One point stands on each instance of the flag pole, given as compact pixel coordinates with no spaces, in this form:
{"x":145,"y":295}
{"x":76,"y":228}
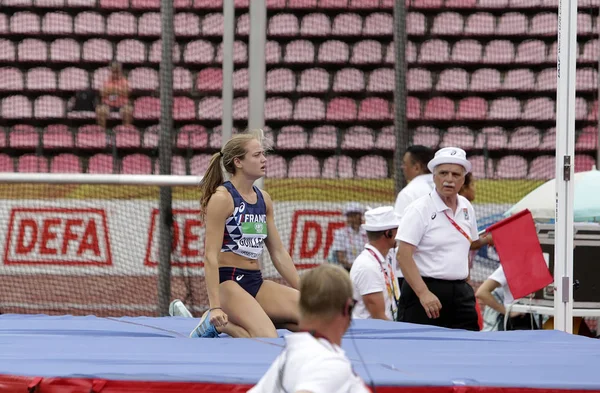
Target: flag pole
{"x":565,"y":163}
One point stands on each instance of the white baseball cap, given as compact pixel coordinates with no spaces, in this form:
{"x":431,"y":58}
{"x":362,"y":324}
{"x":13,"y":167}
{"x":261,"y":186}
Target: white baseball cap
{"x":380,"y":219}
{"x":450,"y":155}
{"x":353,"y":207}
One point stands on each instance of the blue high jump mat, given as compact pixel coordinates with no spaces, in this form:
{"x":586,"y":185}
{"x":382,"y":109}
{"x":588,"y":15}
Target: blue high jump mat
{"x":91,"y":354}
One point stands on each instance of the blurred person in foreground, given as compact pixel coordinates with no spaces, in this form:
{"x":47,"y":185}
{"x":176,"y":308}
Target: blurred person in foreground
{"x":114,"y":97}
{"x":312,"y":360}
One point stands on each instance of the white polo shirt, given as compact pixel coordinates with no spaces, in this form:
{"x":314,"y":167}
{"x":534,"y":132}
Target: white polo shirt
{"x":442,"y":252}
{"x":419,"y":186}
{"x":367,"y":277}
{"x":310,"y":364}
{"x":499,"y":276}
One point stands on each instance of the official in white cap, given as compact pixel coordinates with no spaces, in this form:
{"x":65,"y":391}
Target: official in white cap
{"x":349,"y":240}
{"x":435,"y":237}
{"x":373,"y":277}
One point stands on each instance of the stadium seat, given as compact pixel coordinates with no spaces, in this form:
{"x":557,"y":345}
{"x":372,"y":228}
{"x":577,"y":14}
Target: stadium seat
{"x":303,"y":4}
{"x":73,"y":79}
{"x":149,"y":24}
{"x":313,"y":80}
{"x":482,"y":167}
{"x":417,"y":79}
{"x":240,"y":108}
{"x":121,"y":24}
{"x":57,"y":23}
{"x":278,"y":108}
{"x":336,"y":4}
{"x":209,"y":79}
{"x":386,"y":139}
{"x":136,"y":164}
{"x":511,"y":167}
{"x":584,"y":163}
{"x":31,"y":49}
{"x":212,"y":25}
{"x":89,"y":22}
{"x":97,"y":50}
{"x":520,"y":79}
{"x":65,"y":50}
{"x":465,"y":51}
{"x":542,"y":168}
{"x":6,"y":163}
{"x":374,"y":108}
{"x":304,"y":166}
{"x":41,"y":78}
{"x":544,"y":23}
{"x":131,"y":51}
{"x":433,"y":4}
{"x":413,"y":108}
{"x":272,"y":52}
{"x":101,"y":163}
{"x":505,"y":108}
{"x":491,"y":138}
{"x":347,"y":24}
{"x":114,"y":4}
{"x":363,"y":4}
{"x":434,"y":51}
{"x":472,"y":108}
{"x":485,"y":79}
{"x":18,"y":3}
{"x":499,"y":52}
{"x":415,"y":23}
{"x":241,"y":80}
{"x":541,"y":108}
{"x":65,"y":163}
{"x":25,"y":22}
{"x":581,"y":109}
{"x":143,"y":78}
{"x":378,"y":24}
{"x":591,"y":51}
{"x":348,"y":80}
{"x":586,"y":79}
{"x":341,"y":109}
{"x":48,"y":107}
{"x":199,"y":164}
{"x":184,"y":109}
{"x":16,"y":107}
{"x":280,"y":80}
{"x":323,"y":138}
{"x":177,"y":166}
{"x":150,"y":137}
{"x":531,"y":52}
{"x":145,"y":4}
{"x":480,"y":23}
{"x":127,"y":137}
{"x":198,"y":52}
{"x":587,"y":139}
{"x":292,"y":137}
{"x":524,"y":138}
{"x":371,"y":167}
{"x":210,"y":108}
{"x":524,"y":3}
{"x":593,"y":110}
{"x":187,"y":24}
{"x":309,"y":108}
{"x":315,"y":24}
{"x":548,"y":140}
{"x":7,"y":50}
{"x":333,"y":51}
{"x":57,"y":136}
{"x":338,"y":167}
{"x":358,"y":138}
{"x":382,"y":80}
{"x":81,"y":3}
{"x":29,"y":163}
{"x":91,"y":137}
{"x":242,"y":27}
{"x":100,"y":76}
{"x":452,"y":79}
{"x":146,"y":108}
{"x":447,"y":23}
{"x":546,"y":80}
{"x":512,"y":23}
{"x":497,"y":4}
{"x":182,"y":80}
{"x":299,"y":51}
{"x":11,"y":79}
{"x":283,"y":25}
{"x":276,"y":167}
{"x":23,"y":139}
{"x":192,"y":136}
{"x":458,"y":136}
{"x":439,"y":108}
{"x":426,"y":136}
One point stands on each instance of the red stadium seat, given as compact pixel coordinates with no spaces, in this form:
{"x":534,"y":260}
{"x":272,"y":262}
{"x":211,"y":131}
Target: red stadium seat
{"x":371,"y":167}
{"x":338,"y":167}
{"x":65,"y":163}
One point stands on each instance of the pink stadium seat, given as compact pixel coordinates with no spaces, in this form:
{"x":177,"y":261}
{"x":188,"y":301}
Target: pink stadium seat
{"x":241,"y":80}
{"x":427,"y":3}
{"x":323,"y":138}
{"x":81,"y":3}
{"x":505,"y":108}
{"x":143,"y":79}
{"x":182,"y":79}
{"x":150,"y":137}
{"x":493,"y":3}
{"x":472,"y":108}
{"x":371,"y":167}
{"x":25,"y":22}
{"x":149,"y":24}
{"x":548,"y":140}
{"x":292,"y":137}
{"x":272,"y":52}
{"x":276,"y":167}
{"x":57,"y":137}
{"x":301,"y":3}
{"x":520,"y":79}
{"x":480,"y":23}
{"x":145,"y":4}
{"x":511,"y":167}
{"x":584,"y":163}
{"x":512,"y":23}
{"x":586,"y":79}
{"x":313,"y":80}
{"x":114,"y":4}
{"x":49,"y":107}
{"x":146,"y":108}
{"x":242,"y":27}
{"x":379,"y":24}
{"x":546,"y":80}
{"x":11,"y":79}
{"x":482,"y":168}
{"x":198,"y":52}
{"x":131,"y":51}
{"x":524,"y":3}
{"x":18,"y":3}
{"x":448,"y":23}
{"x":3,"y":24}
{"x":7,"y":50}
{"x":499,"y":51}
{"x":210,"y":108}
{"x":97,"y":50}
{"x":539,"y":109}
{"x":362,"y":4}
{"x":65,"y":50}
{"x":278,"y":108}
{"x":552,"y":55}
{"x":452,"y":80}
{"x":136,"y":164}
{"x":57,"y":23}
{"x":458,"y":136}
{"x":426,"y":136}
{"x":283,"y":25}
{"x":347,"y":24}
{"x":89,"y":22}
{"x":192,"y":136}
{"x":304,"y":166}
{"x":415,"y":23}
{"x":209,"y":79}
{"x":100,"y":163}
{"x":358,"y":138}
{"x":315,"y":24}
{"x":65,"y":163}
{"x":410,"y":53}
{"x":6,"y":163}
{"x":280,"y":80}
{"x":29,"y":163}
{"x":382,"y":80}
{"x":23,"y":139}
{"x":187,"y":24}
{"x":348,"y":80}
{"x":31,"y":49}
{"x":336,"y":4}
{"x":216,"y":138}
{"x":333,"y":51}
{"x":587,"y":140}
{"x":531,"y":52}
{"x":591,"y":51}
{"x":41,"y":78}
{"x":309,"y":108}
{"x":542,"y":168}
{"x":413,"y":108}
{"x":127,"y":137}
{"x":584,"y":24}
{"x":434,"y":51}
{"x":212,"y":25}
{"x":240,"y":108}
{"x":418,"y":79}
{"x":341,"y":109}
{"x":121,"y":24}
{"x":177,"y":166}
{"x":466,"y":51}
{"x":491,"y":138}
{"x":593,"y":110}
{"x":485,"y":79}
{"x":240,"y":52}
{"x":16,"y":107}
{"x":90,"y":137}
{"x":374,"y":108}
{"x":338,"y":167}
{"x":545,"y":23}
{"x":199,"y":164}
{"x":100,"y":76}
{"x":581,"y":109}
{"x":439,"y":108}
{"x":184,"y":108}
{"x":73,"y":79}
{"x":386,"y":139}
{"x":524,"y":138}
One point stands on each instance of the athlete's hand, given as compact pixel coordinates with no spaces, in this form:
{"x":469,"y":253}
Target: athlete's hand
{"x":431,"y":304}
{"x":218,"y":318}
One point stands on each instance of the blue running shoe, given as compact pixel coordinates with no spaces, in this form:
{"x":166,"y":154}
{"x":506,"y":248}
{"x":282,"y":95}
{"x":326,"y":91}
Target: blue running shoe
{"x":205,"y":329}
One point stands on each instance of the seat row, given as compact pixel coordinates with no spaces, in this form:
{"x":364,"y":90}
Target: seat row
{"x":515,"y":167}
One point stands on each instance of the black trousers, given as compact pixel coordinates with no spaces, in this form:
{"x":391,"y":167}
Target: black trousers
{"x":458,"y":305}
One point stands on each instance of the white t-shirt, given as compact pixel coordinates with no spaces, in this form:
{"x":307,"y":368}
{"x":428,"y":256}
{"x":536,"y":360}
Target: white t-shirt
{"x":442,"y":251}
{"x":347,"y":240}
{"x":367,"y":277}
{"x":499,"y":276}
{"x":310,"y":364}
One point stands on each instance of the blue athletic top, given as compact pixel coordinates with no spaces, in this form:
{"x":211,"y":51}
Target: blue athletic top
{"x":246,"y":227}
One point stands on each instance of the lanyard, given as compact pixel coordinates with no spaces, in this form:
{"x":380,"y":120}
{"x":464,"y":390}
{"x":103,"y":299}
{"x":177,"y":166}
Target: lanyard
{"x":458,"y":228}
{"x":390,"y":282}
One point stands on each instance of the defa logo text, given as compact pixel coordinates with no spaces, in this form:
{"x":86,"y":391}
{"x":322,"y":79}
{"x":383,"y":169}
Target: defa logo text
{"x":312,"y":235}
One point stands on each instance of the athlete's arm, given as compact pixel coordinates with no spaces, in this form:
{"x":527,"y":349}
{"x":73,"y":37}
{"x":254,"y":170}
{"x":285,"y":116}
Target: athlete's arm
{"x":375,"y":304}
{"x":220,"y":206}
{"x":279,"y":255}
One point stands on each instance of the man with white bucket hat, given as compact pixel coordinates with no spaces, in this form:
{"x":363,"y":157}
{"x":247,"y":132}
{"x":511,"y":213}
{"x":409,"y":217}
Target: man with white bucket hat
{"x":435,"y":237}
{"x":375,"y":285}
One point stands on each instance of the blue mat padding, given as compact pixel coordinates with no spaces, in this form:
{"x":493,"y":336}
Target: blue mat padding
{"x":395,"y":354}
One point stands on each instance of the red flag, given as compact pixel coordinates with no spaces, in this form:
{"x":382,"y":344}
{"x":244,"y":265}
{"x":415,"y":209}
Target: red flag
{"x":518,"y":247}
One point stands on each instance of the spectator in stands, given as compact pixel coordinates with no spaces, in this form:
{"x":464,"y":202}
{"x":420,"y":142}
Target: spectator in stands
{"x":239,"y":222}
{"x":312,"y":360}
{"x":114,"y":97}
{"x":435,"y":241}
{"x":350,"y":240}
{"x":375,"y":286}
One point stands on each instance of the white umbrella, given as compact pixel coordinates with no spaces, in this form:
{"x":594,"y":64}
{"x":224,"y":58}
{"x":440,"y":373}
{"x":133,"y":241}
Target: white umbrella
{"x":542,"y":201}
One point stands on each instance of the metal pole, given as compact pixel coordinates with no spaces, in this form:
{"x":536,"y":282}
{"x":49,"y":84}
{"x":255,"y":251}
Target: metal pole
{"x":227,"y":94}
{"x":400,"y":124}
{"x":164,"y":155}
{"x":565,"y":163}
{"x":256,"y":66}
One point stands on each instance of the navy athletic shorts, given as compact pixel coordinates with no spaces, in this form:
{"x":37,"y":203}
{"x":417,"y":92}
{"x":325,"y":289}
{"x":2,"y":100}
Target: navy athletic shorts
{"x":250,"y":280}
